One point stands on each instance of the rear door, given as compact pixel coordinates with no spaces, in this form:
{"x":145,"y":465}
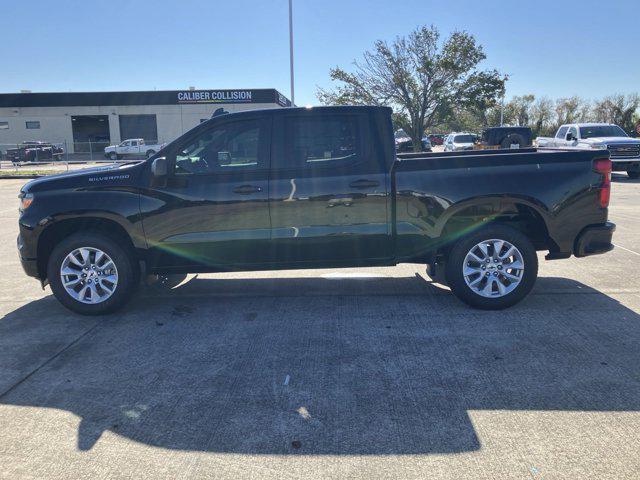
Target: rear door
{"x":328,"y":190}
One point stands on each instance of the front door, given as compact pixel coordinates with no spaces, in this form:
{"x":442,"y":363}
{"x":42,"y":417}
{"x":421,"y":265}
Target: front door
{"x":328,"y":191}
{"x":213,"y":212}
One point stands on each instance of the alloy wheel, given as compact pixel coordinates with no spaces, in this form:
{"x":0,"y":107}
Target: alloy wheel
{"x":89,"y":275}
{"x":493,"y":268}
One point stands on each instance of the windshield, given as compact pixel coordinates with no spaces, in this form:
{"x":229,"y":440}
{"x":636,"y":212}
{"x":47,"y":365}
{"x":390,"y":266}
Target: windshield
{"x":463,"y":139}
{"x":602,"y":131}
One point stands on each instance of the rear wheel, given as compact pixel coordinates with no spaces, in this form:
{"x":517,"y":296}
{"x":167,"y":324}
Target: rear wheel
{"x":90,"y":274}
{"x":493,"y":268}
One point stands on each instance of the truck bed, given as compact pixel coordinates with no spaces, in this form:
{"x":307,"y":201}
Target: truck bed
{"x":435,"y":189}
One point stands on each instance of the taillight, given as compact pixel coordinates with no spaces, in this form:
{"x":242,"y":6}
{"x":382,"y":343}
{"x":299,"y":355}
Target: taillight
{"x":603,"y":166}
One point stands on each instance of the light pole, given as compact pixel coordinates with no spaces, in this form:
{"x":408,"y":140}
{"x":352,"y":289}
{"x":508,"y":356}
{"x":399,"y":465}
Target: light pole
{"x":291,"y":50}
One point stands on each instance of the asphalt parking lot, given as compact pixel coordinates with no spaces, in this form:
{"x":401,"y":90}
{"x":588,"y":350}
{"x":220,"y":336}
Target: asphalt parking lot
{"x":362,"y":373}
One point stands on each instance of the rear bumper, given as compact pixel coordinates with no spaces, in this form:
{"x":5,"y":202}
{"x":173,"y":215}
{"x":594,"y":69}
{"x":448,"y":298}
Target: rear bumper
{"x":594,"y":240}
{"x":620,"y":165}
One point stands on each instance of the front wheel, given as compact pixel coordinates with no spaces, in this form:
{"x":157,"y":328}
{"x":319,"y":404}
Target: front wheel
{"x":91,"y":274}
{"x":493,"y":268}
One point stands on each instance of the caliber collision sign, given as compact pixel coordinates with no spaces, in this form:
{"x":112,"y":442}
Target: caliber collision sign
{"x":215,"y":96}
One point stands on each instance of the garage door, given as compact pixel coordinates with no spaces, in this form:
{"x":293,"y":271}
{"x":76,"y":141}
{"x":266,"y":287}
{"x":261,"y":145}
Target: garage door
{"x":139,"y":126}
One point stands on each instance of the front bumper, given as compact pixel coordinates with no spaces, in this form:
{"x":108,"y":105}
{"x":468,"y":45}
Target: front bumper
{"x":29,"y":265}
{"x":594,"y":240}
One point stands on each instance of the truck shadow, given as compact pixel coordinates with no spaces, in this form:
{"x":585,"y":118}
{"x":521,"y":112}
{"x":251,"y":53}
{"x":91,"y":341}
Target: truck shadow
{"x":327,"y":366}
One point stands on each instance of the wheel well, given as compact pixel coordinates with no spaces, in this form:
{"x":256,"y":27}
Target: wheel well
{"x":65,"y":228}
{"x":516,"y":215}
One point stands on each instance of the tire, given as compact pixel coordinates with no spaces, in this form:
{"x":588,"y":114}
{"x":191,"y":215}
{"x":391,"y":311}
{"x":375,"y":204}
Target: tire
{"x":150,"y":153}
{"x":125,"y":275}
{"x":512,"y":139}
{"x":113,"y":156}
{"x":490,"y":273}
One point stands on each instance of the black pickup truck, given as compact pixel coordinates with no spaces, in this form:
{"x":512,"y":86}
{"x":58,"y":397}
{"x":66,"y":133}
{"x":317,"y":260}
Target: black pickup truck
{"x":310,"y":188}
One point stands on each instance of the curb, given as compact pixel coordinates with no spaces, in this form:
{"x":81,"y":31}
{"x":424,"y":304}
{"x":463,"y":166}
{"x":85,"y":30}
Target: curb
{"x":13,"y":177}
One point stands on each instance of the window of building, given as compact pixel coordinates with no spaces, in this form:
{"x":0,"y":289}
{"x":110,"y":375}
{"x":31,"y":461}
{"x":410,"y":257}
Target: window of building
{"x":4,"y":125}
{"x":225,"y":148}
{"x":321,"y":140}
{"x":33,"y":125}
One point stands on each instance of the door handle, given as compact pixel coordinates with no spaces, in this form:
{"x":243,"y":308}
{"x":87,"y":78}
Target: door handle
{"x":247,"y":189}
{"x":364,"y":183}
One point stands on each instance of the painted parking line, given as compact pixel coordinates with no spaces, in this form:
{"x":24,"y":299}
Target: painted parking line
{"x":626,"y":249}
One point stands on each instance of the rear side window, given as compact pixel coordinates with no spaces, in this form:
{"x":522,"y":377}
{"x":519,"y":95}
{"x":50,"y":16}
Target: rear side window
{"x":321,"y":141}
{"x":562,"y":133}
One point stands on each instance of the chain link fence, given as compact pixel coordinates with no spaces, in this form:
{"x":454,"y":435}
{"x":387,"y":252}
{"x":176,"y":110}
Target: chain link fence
{"x":41,"y":158}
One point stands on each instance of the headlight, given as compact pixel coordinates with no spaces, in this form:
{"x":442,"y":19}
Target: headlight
{"x":26,"y":199}
{"x":599,"y":147}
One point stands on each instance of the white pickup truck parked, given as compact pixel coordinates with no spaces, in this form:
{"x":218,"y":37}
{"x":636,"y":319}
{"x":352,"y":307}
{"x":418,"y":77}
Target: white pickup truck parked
{"x":624,"y":150}
{"x":132,"y":147}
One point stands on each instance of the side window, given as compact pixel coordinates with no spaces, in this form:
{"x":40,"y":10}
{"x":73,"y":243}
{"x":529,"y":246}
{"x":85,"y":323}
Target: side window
{"x":126,"y":144}
{"x":225,"y":148}
{"x":573,"y":131}
{"x":321,"y":140}
{"x":562,"y":132}
{"x":134,"y":143}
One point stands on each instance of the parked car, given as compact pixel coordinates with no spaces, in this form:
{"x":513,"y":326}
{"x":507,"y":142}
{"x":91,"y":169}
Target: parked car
{"x":624,"y":150}
{"x":436,"y":138}
{"x":133,"y":147}
{"x":34,"y":152}
{"x":313,"y":188}
{"x":405,"y":144}
{"x":459,"y":141}
{"x":506,"y":137}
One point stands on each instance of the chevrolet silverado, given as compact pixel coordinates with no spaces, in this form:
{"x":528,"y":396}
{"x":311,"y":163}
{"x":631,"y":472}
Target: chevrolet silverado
{"x":313,"y":188}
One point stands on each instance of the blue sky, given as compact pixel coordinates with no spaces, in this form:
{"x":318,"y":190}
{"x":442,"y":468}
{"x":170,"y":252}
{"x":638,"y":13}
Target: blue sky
{"x":586,"y":47}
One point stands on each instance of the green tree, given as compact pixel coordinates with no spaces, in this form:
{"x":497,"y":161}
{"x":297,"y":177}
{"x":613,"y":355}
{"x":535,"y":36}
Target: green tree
{"x":619,"y":109}
{"x":518,"y":110}
{"x":541,"y":117}
{"x":572,"y":110}
{"x":424,"y":79}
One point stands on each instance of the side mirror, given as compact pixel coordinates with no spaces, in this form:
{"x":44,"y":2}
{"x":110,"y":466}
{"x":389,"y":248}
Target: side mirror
{"x":160,"y":167}
{"x":570,"y":137}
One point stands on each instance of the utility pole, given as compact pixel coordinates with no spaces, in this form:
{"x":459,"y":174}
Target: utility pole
{"x":291,"y":51}
{"x":502,"y":112}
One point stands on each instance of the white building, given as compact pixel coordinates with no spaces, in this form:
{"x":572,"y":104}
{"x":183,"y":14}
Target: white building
{"x":83,"y":120}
